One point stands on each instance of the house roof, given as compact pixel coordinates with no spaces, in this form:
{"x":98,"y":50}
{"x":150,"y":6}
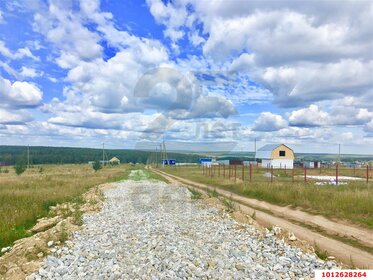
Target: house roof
{"x":265,"y":152}
{"x":114,"y":159}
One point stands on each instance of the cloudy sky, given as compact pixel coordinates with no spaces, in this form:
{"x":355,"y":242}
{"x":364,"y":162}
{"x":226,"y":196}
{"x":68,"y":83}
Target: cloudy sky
{"x":198,"y":74}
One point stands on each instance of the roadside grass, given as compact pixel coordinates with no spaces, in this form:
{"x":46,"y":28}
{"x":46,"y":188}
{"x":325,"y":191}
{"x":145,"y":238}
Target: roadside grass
{"x":137,"y":172}
{"x":229,"y":204}
{"x":28,"y":197}
{"x":195,"y":194}
{"x":212,"y":193}
{"x":352,"y":202}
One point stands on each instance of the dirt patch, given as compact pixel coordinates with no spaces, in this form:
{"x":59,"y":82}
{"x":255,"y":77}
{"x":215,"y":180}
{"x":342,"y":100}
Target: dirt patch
{"x":295,"y":221}
{"x":26,"y":254}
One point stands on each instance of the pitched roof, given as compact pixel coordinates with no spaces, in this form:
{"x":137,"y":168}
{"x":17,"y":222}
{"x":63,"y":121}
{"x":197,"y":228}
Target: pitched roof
{"x":114,"y":159}
{"x":269,"y":147}
{"x":265,"y":152}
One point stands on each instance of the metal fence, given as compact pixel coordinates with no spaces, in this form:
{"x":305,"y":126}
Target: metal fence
{"x":251,"y":173}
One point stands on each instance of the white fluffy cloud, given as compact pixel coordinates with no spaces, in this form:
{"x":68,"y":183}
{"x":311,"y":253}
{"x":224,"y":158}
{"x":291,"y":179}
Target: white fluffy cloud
{"x":27,"y":72}
{"x":311,"y":116}
{"x":62,"y":27}
{"x":19,"y":54}
{"x":268,"y":121}
{"x":19,"y":94}
{"x":302,"y":52}
{"x":14,"y":117}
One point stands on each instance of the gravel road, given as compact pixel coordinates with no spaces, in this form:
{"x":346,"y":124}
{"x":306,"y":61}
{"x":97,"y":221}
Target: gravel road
{"x":151,"y":230}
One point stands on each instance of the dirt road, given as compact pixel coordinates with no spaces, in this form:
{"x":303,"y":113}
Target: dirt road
{"x":284,"y":217}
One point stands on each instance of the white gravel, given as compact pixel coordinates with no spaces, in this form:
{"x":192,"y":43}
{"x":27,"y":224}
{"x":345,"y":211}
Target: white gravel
{"x":149,"y":230}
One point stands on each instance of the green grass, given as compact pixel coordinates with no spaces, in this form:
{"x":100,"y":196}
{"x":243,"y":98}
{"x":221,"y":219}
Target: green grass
{"x":352,"y":202}
{"x":212,"y":193}
{"x":137,"y":172}
{"x":25,"y":198}
{"x":195,"y":194}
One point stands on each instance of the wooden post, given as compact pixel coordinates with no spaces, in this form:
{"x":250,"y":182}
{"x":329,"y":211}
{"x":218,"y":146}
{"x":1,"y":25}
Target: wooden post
{"x":251,"y":171}
{"x":219,"y":170}
{"x":243,"y":171}
{"x":367,"y":174}
{"x":336,"y":174}
{"x":305,"y":174}
{"x":229,"y":171}
{"x":223,"y":170}
{"x":354,"y":170}
{"x":271,"y":173}
{"x":292,"y":175}
{"x":235,"y":172}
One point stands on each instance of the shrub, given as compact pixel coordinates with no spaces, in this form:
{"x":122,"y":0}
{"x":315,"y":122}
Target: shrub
{"x":96,"y":165}
{"x":20,"y":167}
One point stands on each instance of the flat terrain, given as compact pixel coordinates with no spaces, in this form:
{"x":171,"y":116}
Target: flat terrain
{"x":25,"y":198}
{"x":150,"y":230}
{"x":351,"y":202}
{"x":329,"y":237}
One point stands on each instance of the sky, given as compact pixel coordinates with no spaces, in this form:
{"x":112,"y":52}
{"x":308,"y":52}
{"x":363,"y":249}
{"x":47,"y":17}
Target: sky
{"x":197,"y":74}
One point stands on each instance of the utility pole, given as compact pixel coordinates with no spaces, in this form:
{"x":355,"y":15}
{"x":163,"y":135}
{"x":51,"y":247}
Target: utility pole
{"x":103,"y":153}
{"x":28,"y":156}
{"x":339,"y":152}
{"x":156,"y":157}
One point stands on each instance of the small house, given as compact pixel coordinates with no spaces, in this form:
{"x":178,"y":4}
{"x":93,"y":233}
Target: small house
{"x":276,"y":156}
{"x":114,"y":161}
{"x":311,"y":164}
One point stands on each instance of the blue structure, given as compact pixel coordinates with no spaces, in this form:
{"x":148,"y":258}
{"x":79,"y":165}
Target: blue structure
{"x":172,"y":161}
{"x":205,"y":160}
{"x":164,"y":162}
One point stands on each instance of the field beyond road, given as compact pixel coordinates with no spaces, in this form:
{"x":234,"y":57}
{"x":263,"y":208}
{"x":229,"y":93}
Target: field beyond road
{"x":25,"y":198}
{"x":351,"y":202}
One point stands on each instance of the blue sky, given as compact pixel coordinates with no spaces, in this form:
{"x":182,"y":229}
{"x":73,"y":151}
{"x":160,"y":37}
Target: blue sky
{"x":198,"y":74}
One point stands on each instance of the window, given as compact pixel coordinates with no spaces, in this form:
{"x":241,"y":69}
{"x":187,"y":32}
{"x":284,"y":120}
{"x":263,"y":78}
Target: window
{"x":282,"y":153}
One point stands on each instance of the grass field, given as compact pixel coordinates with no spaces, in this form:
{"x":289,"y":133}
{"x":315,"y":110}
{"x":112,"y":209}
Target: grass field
{"x":25,"y":198}
{"x":352,"y":202}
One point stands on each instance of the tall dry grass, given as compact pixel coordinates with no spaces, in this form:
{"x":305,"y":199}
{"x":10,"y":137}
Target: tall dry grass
{"x":25,"y":198}
{"x":352,"y":202}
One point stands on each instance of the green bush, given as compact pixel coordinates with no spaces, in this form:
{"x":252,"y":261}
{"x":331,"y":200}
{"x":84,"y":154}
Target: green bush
{"x":96,"y":165}
{"x":20,"y":167}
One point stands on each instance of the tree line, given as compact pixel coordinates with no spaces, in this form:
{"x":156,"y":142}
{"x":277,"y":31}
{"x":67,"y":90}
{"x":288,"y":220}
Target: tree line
{"x":10,"y":155}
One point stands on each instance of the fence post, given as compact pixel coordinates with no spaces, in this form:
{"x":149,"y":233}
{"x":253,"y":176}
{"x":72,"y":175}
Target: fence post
{"x":219,"y":170}
{"x":305,"y":174}
{"x":251,"y":171}
{"x":243,"y":171}
{"x":271,"y":173}
{"x":367,"y":174}
{"x":235,"y":173}
{"x":223,"y":170}
{"x":285,"y":169}
{"x":336,"y":174}
{"x":292,"y":175}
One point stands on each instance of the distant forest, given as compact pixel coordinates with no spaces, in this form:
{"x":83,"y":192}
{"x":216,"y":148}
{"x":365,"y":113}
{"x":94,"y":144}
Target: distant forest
{"x":9,"y":155}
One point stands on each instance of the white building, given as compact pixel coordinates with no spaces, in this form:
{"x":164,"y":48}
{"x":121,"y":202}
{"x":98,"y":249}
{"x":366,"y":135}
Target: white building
{"x":276,"y":155}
